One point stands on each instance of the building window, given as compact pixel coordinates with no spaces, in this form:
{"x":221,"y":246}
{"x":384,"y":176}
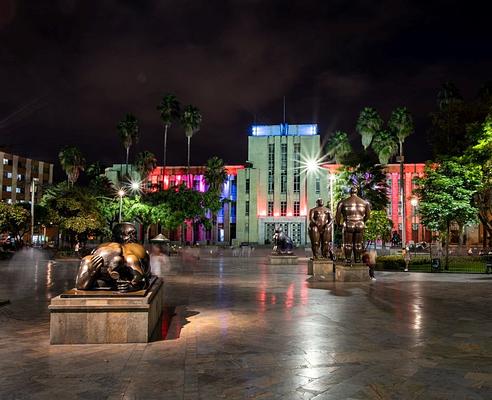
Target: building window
{"x":17,"y":190}
{"x":19,"y":177}
{"x":389,"y":211}
{"x":8,"y":175}
{"x":297,"y":167}
{"x":399,"y":208}
{"x":247,"y":186}
{"x":297,"y":208}
{"x":246,"y":208}
{"x":5,"y":161}
{"x":318,"y":185}
{"x":283,"y":208}
{"x":415,"y":227}
{"x":283,"y":168}
{"x":270,"y":208}
{"x":389,"y":182}
{"x":9,"y":189}
{"x":271,"y":167}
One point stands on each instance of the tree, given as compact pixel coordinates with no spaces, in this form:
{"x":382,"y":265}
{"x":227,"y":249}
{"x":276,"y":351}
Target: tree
{"x":14,"y":219}
{"x":128,"y":131}
{"x":169,"y":110}
{"x":72,"y":162}
{"x":448,"y":95}
{"x":480,"y":154}
{"x":190,"y":121}
{"x":401,"y":124}
{"x":378,"y":226}
{"x":360,"y":170}
{"x":368,"y":125}
{"x":74,"y":210}
{"x":215,"y":176}
{"x":384,"y":145}
{"x":93,"y":171}
{"x":446,"y":195}
{"x":338,"y":146}
{"x":136,"y":209}
{"x":145,"y":162}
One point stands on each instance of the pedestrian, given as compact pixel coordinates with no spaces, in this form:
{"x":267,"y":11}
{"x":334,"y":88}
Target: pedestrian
{"x":369,"y":258}
{"x":406,"y":257}
{"x":77,"y":248}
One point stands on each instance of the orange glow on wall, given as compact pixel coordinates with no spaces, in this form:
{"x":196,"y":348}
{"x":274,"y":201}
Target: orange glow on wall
{"x":262,"y":213}
{"x":276,"y":214}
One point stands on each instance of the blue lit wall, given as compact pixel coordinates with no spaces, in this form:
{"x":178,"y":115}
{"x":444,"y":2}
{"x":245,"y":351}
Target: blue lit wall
{"x":284,"y":130}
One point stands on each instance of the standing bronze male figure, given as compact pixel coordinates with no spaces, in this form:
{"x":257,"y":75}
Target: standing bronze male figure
{"x":352,"y":214}
{"x":320,"y":221}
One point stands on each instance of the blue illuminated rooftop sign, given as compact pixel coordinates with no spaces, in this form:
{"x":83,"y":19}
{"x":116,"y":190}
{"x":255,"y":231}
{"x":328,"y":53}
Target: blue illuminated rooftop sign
{"x":284,"y":130}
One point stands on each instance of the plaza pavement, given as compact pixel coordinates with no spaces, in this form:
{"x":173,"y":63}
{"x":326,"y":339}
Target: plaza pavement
{"x":237,"y":328}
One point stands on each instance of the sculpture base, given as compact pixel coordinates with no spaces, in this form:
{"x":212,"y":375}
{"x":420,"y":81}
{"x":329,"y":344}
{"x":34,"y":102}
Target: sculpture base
{"x":354,"y":273}
{"x":113,"y":318}
{"x":321,"y":269}
{"x":284,"y":260}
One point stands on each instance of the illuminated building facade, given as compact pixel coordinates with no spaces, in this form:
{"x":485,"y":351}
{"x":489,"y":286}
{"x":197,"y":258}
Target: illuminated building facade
{"x":163,"y":179}
{"x":17,"y":174}
{"x":278,"y":185}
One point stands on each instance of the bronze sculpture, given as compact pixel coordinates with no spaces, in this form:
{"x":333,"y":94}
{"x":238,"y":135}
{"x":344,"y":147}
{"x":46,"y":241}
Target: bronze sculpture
{"x":352,"y":214}
{"x":320,"y":221}
{"x":123,"y":264}
{"x":282,"y":244}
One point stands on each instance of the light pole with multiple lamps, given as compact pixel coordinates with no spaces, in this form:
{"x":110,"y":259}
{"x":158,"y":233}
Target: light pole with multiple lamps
{"x":333,"y":177}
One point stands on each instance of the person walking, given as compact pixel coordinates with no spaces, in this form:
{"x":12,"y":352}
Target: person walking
{"x":369,"y":258}
{"x":406,"y":257}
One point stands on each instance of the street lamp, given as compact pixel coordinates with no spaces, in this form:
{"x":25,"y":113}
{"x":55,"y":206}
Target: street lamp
{"x":414,"y":201}
{"x":121,"y":194}
{"x":333,"y":177}
{"x":33,"y":190}
{"x":310,"y":165}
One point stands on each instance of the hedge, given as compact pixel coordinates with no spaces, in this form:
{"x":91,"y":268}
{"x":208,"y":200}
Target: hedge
{"x":423,"y":263}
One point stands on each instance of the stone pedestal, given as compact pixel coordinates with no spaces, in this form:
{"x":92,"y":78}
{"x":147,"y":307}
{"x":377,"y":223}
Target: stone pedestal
{"x":285,"y":260}
{"x":81,"y":317}
{"x":321,"y":269}
{"x":354,"y":273}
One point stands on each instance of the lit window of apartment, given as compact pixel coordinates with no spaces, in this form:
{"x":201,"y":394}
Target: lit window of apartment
{"x":5,"y":161}
{"x":19,"y":177}
{"x":297,"y":208}
{"x":8,"y":189}
{"x":17,"y":190}
{"x":283,"y":208}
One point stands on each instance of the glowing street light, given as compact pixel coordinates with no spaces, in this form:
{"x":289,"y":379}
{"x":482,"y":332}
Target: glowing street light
{"x":414,"y":201}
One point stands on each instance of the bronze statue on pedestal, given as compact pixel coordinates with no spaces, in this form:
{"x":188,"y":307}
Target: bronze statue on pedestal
{"x":320,"y":221}
{"x":352,"y":214}
{"x":122,"y":265}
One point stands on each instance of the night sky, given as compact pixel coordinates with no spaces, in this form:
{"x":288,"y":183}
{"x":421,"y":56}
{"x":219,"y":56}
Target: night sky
{"x":70,"y":70}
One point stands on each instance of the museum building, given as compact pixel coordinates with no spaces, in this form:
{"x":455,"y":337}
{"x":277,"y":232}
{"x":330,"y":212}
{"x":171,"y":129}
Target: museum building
{"x":277,"y":186}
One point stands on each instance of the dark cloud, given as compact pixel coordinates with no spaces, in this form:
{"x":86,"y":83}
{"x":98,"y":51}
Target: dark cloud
{"x":70,"y":69}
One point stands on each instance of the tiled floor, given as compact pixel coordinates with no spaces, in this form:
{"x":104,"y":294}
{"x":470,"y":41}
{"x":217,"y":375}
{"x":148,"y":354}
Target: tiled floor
{"x":243,"y":329}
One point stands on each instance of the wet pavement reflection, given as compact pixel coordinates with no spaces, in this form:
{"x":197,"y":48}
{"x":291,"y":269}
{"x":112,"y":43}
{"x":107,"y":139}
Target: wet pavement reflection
{"x":239,"y":328}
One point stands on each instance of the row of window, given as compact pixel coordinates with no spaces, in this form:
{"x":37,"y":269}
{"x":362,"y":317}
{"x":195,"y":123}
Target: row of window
{"x":283,"y":209}
{"x":7,"y":188}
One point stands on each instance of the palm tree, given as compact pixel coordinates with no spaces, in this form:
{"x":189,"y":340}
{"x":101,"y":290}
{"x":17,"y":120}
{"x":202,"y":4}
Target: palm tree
{"x":368,"y":125}
{"x":401,"y":124}
{"x":72,"y":162}
{"x":384,"y":145}
{"x":338,"y":146}
{"x":190,"y":121}
{"x":128,"y":130}
{"x":215,"y":176}
{"x":145,"y":162}
{"x":169,"y":111}
{"x":448,"y":94}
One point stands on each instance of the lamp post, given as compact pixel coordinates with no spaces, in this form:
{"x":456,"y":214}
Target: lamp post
{"x":121,"y":194}
{"x":33,"y":191}
{"x":311,"y":166}
{"x":401,"y":159}
{"x":414,"y":202}
{"x":332,"y":209}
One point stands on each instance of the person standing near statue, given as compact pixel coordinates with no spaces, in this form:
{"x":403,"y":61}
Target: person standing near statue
{"x":352,"y":214}
{"x":320,"y":220}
